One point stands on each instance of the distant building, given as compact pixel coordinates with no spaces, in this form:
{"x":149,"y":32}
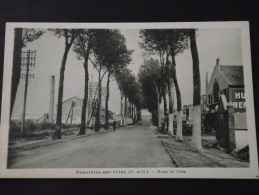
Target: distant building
{"x":188,"y":112}
{"x":72,"y":107}
{"x":225,"y":91}
{"x":204,"y":111}
{"x":72,"y":111}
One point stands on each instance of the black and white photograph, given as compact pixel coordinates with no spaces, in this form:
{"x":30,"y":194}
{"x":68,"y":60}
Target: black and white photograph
{"x":122,"y":100}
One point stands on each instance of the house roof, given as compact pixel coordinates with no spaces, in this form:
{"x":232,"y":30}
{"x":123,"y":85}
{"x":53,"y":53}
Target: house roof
{"x":81,"y":99}
{"x":233,"y":74}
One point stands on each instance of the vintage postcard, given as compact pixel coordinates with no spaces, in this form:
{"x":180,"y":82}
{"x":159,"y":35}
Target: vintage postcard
{"x":128,"y":100}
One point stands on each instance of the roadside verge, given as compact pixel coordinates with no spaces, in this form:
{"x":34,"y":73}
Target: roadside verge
{"x":47,"y":142}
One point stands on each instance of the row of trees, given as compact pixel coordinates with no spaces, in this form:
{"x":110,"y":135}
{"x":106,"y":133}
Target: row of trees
{"x":131,"y":91}
{"x":105,"y":48}
{"x":157,"y":77}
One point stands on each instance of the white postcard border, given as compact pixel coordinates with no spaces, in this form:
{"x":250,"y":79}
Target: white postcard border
{"x":251,"y":172}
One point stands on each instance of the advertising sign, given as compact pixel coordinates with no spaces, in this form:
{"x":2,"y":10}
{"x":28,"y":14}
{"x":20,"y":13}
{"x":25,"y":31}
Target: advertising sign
{"x":239,"y":100}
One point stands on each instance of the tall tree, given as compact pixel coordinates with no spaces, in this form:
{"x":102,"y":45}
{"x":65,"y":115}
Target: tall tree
{"x":171,"y":104}
{"x":167,"y":43}
{"x":150,"y":77}
{"x":196,"y":134}
{"x":154,"y":43}
{"x":82,"y":46}
{"x":69,"y":36}
{"x":130,"y":89}
{"x":101,"y":72}
{"x":177,"y":42}
{"x":101,"y":52}
{"x":22,"y":36}
{"x":118,"y":56}
{"x":110,"y":54}
{"x":121,"y":76}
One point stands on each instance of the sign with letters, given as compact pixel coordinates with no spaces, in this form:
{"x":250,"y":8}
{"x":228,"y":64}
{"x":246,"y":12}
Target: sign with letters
{"x":238,"y":98}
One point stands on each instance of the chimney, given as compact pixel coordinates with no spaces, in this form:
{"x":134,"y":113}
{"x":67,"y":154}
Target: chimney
{"x":51,"y":104}
{"x":218,"y":63}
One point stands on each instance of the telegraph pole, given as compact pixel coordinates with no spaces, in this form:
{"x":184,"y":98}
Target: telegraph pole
{"x":72,"y":113}
{"x":28,"y":60}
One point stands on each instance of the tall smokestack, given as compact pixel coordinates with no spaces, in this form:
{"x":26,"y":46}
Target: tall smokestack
{"x":51,"y":104}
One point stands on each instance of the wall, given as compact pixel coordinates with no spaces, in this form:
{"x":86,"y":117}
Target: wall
{"x":241,"y":137}
{"x":221,"y":80}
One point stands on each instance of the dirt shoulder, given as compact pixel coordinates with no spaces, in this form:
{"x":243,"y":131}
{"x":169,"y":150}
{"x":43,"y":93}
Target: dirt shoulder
{"x":32,"y":144}
{"x":182,"y":155}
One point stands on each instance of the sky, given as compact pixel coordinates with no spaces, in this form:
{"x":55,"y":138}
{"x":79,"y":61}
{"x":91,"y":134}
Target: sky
{"x":224,"y":44}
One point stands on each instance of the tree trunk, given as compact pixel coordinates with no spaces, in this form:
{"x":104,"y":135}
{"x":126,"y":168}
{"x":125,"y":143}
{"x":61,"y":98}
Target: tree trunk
{"x":165,"y":103}
{"x":18,"y":45}
{"x":132,"y":111}
{"x":121,"y":110}
{"x":165,"y":111}
{"x":83,"y":116}
{"x":171,"y":107}
{"x":57,"y":133}
{"x":196,"y":133}
{"x":179,"y":132}
{"x":154,"y":117}
{"x":158,"y":112}
{"x":106,"y":103}
{"x":125,"y":107}
{"x":97,"y":116}
{"x":138,"y":113}
{"x":129,"y":109}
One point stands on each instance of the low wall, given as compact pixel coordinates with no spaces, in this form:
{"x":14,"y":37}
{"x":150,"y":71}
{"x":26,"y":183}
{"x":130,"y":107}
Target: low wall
{"x":125,"y":121}
{"x":241,"y":130}
{"x":241,"y":137}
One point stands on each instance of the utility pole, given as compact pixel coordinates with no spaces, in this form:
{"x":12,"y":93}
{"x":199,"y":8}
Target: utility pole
{"x":72,"y":110}
{"x":70,"y":114}
{"x":27,"y":61}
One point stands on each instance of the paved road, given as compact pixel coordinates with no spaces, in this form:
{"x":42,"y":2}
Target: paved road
{"x":136,"y":146}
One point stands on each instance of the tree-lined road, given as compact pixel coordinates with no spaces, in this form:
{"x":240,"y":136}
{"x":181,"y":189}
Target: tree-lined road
{"x":136,"y":146}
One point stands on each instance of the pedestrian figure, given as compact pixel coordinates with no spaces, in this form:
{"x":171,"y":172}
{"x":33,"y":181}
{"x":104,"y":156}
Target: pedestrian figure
{"x":114,"y":125}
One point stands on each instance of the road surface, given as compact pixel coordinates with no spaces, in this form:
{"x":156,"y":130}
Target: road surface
{"x":136,"y":146}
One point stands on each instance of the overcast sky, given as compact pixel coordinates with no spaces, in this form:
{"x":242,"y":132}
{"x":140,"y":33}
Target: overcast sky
{"x":212,"y":44}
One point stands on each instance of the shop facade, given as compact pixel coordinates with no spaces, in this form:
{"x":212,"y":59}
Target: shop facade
{"x":226,"y":106}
